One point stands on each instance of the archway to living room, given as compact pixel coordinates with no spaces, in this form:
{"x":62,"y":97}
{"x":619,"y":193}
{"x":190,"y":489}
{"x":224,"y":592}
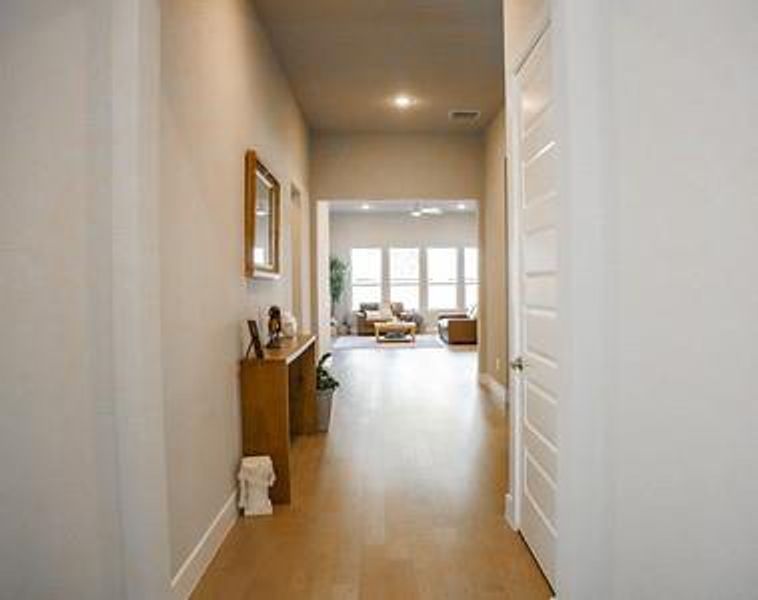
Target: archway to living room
{"x":404,"y":274}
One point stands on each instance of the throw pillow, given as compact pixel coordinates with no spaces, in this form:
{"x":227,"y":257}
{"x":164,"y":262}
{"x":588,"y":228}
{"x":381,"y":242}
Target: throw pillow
{"x":386,"y":312}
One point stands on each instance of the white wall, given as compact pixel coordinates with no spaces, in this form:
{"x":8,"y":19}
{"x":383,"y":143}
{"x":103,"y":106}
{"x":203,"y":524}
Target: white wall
{"x":396,"y":166}
{"x":60,"y":531}
{"x":685,"y":183}
{"x":494,"y":337}
{"x":385,"y":167}
{"x":386,"y":230}
{"x":659,"y":147}
{"x":321,"y":304}
{"x":223,"y":92}
{"x":83,"y":506}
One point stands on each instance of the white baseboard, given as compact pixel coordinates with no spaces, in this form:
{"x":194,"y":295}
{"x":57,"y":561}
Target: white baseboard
{"x":510,"y":512}
{"x":492,"y":384}
{"x":197,"y":562}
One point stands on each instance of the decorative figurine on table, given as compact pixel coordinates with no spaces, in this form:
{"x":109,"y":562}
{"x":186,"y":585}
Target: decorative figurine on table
{"x":274,"y":327}
{"x":289,"y":325}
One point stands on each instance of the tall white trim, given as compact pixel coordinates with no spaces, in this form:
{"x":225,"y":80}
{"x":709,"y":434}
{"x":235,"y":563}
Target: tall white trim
{"x":190,"y":573}
{"x":137,"y":371}
{"x":515,"y":339}
{"x":510,"y":516}
{"x":582,"y":78}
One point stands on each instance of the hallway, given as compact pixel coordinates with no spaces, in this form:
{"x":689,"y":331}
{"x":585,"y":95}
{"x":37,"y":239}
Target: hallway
{"x":403,"y":499}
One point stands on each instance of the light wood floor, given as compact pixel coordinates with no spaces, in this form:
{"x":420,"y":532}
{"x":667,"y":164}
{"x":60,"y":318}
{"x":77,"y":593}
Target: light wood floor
{"x":403,"y":498}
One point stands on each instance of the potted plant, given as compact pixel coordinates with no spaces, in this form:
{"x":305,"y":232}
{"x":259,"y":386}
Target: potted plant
{"x":337,"y":280}
{"x":326,"y":384}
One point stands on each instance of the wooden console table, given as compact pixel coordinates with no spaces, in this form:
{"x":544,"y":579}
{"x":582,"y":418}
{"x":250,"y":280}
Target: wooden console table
{"x":279,"y":401}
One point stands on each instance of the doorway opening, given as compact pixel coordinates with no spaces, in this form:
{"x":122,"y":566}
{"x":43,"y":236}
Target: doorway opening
{"x":300,"y":252}
{"x":404,"y":274}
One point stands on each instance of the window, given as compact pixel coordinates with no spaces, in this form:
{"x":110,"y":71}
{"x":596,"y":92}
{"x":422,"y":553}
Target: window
{"x":471,"y":276}
{"x":366,"y":275}
{"x":404,"y":277}
{"x":442,"y":276}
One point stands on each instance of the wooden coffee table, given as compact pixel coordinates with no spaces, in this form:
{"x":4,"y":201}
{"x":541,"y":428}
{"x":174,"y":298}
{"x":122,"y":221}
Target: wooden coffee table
{"x":408,"y":329}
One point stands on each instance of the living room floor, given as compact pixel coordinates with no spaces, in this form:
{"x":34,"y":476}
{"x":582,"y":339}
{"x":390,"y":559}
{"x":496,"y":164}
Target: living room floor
{"x":403,"y":498}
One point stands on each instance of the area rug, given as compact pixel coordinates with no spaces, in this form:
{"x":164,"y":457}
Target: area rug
{"x":355,"y":342}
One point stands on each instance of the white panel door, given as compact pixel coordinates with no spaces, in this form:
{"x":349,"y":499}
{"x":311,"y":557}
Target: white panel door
{"x":536,"y":367}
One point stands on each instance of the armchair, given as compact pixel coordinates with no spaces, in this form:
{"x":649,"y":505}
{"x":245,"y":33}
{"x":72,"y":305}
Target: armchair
{"x":458,"y":328}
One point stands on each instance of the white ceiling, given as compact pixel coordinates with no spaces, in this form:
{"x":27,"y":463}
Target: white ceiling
{"x":347,"y":59}
{"x":401,"y":206}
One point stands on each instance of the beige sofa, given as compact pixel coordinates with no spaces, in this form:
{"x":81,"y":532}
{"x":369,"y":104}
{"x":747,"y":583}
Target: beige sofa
{"x":372,"y":312}
{"x":368,"y":314}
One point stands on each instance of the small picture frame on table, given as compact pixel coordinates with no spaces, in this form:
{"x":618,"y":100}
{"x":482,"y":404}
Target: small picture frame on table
{"x":255,"y":340}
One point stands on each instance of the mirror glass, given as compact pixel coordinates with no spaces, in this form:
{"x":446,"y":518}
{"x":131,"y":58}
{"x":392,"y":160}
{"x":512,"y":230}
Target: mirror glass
{"x":263,"y":213}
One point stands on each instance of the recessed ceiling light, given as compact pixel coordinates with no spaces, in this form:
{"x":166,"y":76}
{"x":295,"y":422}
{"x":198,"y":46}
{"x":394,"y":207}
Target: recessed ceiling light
{"x":403,"y":101}
{"x":461,"y":206}
{"x":416,"y":213}
{"x":365,"y":206}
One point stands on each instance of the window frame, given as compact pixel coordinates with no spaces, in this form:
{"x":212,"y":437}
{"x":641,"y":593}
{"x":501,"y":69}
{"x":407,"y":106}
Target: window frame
{"x":413,"y":282}
{"x":365,"y":283}
{"x":453,"y":281}
{"x":470,"y":280}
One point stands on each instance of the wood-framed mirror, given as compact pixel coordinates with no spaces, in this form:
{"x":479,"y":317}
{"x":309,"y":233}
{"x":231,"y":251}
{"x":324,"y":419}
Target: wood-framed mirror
{"x":262,"y":219}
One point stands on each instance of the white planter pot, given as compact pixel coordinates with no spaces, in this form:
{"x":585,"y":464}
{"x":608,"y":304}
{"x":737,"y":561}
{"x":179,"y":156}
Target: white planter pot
{"x":323,"y":409}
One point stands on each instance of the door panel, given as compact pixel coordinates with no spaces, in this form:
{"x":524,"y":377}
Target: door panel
{"x":541,"y":332}
{"x":540,"y":292}
{"x":541,"y":539}
{"x":540,"y":134}
{"x":540,"y":252}
{"x":543,"y":373}
{"x":537,"y":236}
{"x":541,"y":488}
{"x":542,"y":451}
{"x":539,"y":412}
{"x":539,"y":174}
{"x":536,"y":85}
{"x":539,"y":216}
